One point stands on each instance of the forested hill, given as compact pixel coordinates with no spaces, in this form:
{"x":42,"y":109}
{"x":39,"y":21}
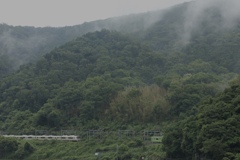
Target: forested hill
{"x":210,"y":33}
{"x":212,"y":131}
{"x":105,"y":76}
{"x":77,"y":82}
{"x":179,"y":28}
{"x":171,"y":73}
{"x":20,"y":45}
{"x":186,"y":68}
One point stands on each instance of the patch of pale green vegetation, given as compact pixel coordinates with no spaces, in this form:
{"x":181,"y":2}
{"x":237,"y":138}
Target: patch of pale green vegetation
{"x":107,"y":149}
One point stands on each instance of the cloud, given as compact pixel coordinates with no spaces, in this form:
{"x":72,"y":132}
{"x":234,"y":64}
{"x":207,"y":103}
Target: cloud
{"x":201,"y":11}
{"x":20,"y":49}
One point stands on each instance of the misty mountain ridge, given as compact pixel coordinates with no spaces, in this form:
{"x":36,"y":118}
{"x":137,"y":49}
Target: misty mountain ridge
{"x":181,"y":22}
{"x":185,"y":22}
{"x":28,"y":44}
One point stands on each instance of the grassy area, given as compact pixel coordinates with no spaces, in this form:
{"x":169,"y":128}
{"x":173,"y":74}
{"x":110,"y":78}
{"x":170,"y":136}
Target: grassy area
{"x":107,"y":149}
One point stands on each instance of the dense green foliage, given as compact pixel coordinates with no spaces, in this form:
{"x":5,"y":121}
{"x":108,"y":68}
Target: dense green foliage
{"x":11,"y":148}
{"x":76,"y":82}
{"x":211,"y":132}
{"x":7,"y":146}
{"x":156,"y":74}
{"x":85,"y":80}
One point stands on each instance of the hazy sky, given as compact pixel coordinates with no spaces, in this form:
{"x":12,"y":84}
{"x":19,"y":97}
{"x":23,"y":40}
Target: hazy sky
{"x":70,"y":12}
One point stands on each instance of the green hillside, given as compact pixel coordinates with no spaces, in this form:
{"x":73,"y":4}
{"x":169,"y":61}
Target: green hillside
{"x":23,"y":44}
{"x":211,"y":131}
{"x":77,"y":82}
{"x":163,"y":74}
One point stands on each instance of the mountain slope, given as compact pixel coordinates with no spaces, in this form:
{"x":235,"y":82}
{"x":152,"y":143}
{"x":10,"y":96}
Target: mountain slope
{"x":179,"y":28}
{"x":172,"y":73}
{"x":212,"y":131}
{"x":78,"y":80}
{"x":91,"y":75}
{"x":27,"y":44}
{"x":209,"y":32}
